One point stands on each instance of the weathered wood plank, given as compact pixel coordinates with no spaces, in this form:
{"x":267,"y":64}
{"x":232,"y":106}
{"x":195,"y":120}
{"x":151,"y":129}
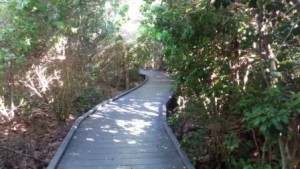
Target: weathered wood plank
{"x":151,"y":166}
{"x":122,"y":162}
{"x":110,"y":150}
{"x":119,"y":144}
{"x":126,"y":133}
{"x":119,"y":155}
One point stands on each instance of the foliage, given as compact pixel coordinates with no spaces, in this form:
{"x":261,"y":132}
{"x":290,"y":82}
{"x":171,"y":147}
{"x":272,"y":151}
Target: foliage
{"x":235,"y":67}
{"x":58,"y":58}
{"x":271,"y":111}
{"x":48,"y":51}
{"x":87,"y":99}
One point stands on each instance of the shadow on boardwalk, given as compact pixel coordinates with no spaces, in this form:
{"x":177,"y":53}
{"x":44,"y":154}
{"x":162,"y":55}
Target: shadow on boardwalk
{"x":127,"y":133}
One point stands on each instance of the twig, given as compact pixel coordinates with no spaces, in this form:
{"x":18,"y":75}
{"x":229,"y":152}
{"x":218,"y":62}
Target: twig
{"x":286,"y":12}
{"x":255,"y":141}
{"x":22,"y":154}
{"x":291,"y":30}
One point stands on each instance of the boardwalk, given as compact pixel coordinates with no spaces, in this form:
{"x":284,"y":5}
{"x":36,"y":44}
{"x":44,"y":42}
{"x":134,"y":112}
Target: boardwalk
{"x":127,"y":133}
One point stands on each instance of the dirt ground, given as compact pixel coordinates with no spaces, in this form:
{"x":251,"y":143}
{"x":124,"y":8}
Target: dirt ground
{"x":31,"y":143}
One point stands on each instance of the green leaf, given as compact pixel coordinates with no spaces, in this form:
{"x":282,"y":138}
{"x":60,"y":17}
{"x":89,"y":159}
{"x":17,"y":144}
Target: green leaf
{"x":158,"y":36}
{"x":263,"y":128}
{"x":124,"y":10}
{"x":285,"y":119}
{"x":119,"y":38}
{"x":277,"y":124}
{"x":248,"y":166}
{"x":59,"y":25}
{"x":256,"y":122}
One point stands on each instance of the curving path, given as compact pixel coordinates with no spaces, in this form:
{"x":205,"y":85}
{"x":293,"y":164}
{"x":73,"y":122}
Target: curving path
{"x":127,"y":133}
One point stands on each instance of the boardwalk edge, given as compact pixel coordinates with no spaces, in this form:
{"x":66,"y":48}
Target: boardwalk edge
{"x":63,"y":146}
{"x":179,"y":150}
{"x":175,"y":141}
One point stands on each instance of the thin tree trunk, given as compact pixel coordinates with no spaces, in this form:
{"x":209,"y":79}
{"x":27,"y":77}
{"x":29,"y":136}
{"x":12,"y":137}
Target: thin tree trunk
{"x":126,"y":66}
{"x":11,"y":89}
{"x":282,"y":152}
{"x":260,"y":40}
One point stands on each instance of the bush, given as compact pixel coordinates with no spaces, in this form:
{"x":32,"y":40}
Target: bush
{"x":87,"y":99}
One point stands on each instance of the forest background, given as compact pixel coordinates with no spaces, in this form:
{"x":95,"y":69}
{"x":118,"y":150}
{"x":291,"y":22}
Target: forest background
{"x":235,"y":66}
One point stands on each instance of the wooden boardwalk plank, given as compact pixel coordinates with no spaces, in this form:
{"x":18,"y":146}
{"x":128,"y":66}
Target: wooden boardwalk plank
{"x":127,"y":133}
{"x":122,"y":162}
{"x":176,"y":165}
{"x":126,"y":155}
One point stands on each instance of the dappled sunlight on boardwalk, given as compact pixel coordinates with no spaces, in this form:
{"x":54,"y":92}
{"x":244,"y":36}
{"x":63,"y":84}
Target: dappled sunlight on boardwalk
{"x":126,"y":133}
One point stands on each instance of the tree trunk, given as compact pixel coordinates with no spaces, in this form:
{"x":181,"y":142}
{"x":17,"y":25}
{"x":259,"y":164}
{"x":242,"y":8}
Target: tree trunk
{"x":11,"y":89}
{"x":126,"y":67}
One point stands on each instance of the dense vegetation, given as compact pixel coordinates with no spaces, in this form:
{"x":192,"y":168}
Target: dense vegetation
{"x":58,"y":58}
{"x":236,"y":71}
{"x":235,"y":65}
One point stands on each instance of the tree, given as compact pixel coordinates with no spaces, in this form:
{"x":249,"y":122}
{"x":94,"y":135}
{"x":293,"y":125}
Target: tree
{"x":234,"y":66}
